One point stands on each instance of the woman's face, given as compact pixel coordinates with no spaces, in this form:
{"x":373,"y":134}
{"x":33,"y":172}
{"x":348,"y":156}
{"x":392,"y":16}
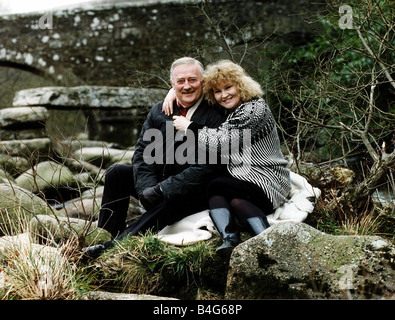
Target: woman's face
{"x":227,"y":95}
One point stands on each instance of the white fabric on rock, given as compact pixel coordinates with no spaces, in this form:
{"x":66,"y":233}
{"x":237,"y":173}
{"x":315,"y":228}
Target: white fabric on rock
{"x":199,"y":226}
{"x":298,"y":205}
{"x":194,"y":228}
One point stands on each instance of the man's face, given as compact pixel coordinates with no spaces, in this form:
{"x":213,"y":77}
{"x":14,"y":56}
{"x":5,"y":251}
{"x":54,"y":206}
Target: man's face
{"x":187,"y":83}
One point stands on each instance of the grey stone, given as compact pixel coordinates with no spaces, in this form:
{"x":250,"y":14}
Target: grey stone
{"x":103,"y":295}
{"x":26,"y":147}
{"x":89,"y":97}
{"x":6,"y":178}
{"x":87,"y":209}
{"x":23,"y":134}
{"x":46,"y":175}
{"x":18,"y":206}
{"x":336,"y":177}
{"x":61,"y":229}
{"x":13,"y":164}
{"x":15,"y":117}
{"x":103,"y":156}
{"x":294,"y":260}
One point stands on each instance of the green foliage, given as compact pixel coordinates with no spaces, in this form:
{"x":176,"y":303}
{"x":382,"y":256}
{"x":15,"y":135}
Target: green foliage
{"x":337,"y":83}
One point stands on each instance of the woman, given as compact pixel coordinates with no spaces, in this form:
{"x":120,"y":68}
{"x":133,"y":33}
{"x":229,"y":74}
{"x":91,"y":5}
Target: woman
{"x":257,"y":178}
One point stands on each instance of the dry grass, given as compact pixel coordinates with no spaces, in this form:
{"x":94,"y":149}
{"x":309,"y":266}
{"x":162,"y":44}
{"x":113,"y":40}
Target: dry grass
{"x":32,"y":271}
{"x":366,"y":223}
{"x":345,"y":221}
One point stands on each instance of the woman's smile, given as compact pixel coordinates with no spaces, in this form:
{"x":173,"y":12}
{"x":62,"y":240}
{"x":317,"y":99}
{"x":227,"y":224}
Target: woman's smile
{"x":227,"y":96}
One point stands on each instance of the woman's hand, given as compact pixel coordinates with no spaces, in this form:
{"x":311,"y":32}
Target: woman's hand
{"x":181,"y":123}
{"x":167,"y":107}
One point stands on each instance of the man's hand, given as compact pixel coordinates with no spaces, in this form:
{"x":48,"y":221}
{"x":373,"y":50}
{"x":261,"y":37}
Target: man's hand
{"x":151,"y":197}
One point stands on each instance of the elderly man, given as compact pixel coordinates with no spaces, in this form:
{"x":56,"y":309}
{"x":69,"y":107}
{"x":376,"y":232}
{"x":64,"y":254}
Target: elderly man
{"x":168,"y":190}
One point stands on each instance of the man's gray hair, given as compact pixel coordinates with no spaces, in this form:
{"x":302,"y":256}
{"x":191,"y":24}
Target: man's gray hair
{"x":185,"y":60}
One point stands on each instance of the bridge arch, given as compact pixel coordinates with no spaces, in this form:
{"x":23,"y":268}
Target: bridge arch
{"x":22,"y":66}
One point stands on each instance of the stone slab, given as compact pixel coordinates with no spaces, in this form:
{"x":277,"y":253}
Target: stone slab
{"x":89,"y":97}
{"x":11,"y":117}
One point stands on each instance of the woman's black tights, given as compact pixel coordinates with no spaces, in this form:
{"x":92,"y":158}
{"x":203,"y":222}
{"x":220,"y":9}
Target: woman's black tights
{"x":239,"y":197}
{"x":241,"y":208}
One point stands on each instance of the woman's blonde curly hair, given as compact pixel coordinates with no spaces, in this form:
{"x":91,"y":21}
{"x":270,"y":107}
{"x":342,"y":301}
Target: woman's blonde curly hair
{"x":226,"y":71}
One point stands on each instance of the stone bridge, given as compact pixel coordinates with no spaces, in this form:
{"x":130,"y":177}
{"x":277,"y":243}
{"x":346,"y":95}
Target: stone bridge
{"x":132,"y":44}
{"x":135,"y":42}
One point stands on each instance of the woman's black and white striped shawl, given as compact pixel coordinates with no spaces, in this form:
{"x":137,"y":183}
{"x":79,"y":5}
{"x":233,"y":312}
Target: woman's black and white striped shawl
{"x":255,"y":154}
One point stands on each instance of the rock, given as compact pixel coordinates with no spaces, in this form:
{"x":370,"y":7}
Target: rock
{"x":93,"y":193}
{"x":99,"y":157}
{"x":6,"y":178}
{"x":26,"y":147}
{"x":103,"y":156}
{"x":67,"y":146}
{"x":23,"y":241}
{"x":13,"y":164}
{"x":122,"y":157}
{"x":24,"y":128}
{"x":18,"y":206}
{"x":89,"y":97}
{"x":294,"y":260}
{"x":76,"y":144}
{"x":83,"y":166}
{"x":23,"y":134}
{"x":46,"y":175}
{"x":84,"y":179}
{"x":20,"y":240}
{"x":23,"y":117}
{"x":103,"y":295}
{"x":324,"y":177}
{"x":86,"y":209}
{"x":60,"y":229}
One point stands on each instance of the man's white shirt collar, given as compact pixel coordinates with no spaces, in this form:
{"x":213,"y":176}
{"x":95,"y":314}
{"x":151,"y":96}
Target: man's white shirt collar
{"x":192,"y":109}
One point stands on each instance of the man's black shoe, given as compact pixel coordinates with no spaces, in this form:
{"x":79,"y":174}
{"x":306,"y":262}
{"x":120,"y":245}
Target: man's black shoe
{"x":96,"y":250}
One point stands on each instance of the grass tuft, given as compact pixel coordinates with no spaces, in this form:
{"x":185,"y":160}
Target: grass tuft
{"x":148,"y":265}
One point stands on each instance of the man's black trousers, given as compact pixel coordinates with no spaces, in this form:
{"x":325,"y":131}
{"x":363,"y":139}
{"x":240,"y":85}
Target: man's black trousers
{"x":119,"y":186}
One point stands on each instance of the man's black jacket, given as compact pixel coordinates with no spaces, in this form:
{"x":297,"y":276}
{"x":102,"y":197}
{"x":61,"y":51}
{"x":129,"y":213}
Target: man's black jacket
{"x":176,"y":180}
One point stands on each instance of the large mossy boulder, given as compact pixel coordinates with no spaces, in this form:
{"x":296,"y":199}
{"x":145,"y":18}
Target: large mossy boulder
{"x":17,"y":207}
{"x":294,"y":260}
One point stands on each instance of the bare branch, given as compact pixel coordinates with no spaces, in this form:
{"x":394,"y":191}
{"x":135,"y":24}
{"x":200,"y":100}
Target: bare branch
{"x":387,"y":74}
